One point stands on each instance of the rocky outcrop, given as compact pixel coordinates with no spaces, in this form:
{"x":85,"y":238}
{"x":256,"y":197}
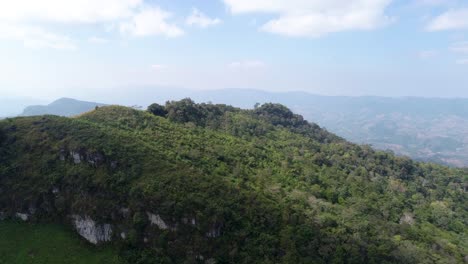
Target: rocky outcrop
{"x":407,"y":218}
{"x":95,"y":158}
{"x":92,"y":231}
{"x":22,"y":216}
{"x":76,"y":157}
{"x":214,"y":232}
{"x":210,"y":261}
{"x":125,"y":212}
{"x":189,"y":221}
{"x":62,"y":154}
{"x":157,"y":220}
{"x":82,"y":155}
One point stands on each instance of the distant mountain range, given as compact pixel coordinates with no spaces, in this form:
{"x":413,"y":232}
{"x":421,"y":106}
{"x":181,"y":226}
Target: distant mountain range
{"x":427,"y":129}
{"x":61,"y":107}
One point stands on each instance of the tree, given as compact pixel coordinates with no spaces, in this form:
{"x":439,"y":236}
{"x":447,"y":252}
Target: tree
{"x":183,"y":111}
{"x":157,"y":110}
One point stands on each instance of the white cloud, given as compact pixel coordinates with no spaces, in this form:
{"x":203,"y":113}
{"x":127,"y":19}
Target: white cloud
{"x":197,"y":18}
{"x":247,"y":64}
{"x":69,"y":11}
{"x":427,"y":54}
{"x":134,"y":16}
{"x":462,"y":61}
{"x":35,"y":37}
{"x":460,"y":47}
{"x":98,"y":40}
{"x":454,"y":19}
{"x":432,"y":3}
{"x":151,"y":21}
{"x":314,"y":18}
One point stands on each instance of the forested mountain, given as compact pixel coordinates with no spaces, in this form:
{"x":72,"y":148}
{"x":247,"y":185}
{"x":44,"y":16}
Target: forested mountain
{"x":61,"y":107}
{"x":204,"y":183}
{"x":427,"y":129}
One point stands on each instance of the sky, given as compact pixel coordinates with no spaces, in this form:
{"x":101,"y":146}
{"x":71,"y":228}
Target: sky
{"x":55,"y":48}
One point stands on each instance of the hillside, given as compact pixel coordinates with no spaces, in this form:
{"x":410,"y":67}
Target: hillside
{"x":203,"y":183}
{"x":426,"y":129}
{"x":61,"y":107}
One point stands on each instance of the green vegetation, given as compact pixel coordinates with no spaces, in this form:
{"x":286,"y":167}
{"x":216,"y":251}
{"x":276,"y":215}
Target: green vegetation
{"x":48,"y":244}
{"x":232,"y":186}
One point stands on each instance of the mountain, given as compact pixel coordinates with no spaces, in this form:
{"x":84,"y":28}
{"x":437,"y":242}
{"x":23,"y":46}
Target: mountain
{"x":61,"y":107}
{"x":426,"y":129}
{"x":204,"y":183}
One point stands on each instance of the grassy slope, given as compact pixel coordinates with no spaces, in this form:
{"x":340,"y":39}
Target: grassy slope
{"x":48,"y":244}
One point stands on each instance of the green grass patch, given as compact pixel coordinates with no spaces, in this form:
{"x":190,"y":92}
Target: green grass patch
{"x":48,"y":243}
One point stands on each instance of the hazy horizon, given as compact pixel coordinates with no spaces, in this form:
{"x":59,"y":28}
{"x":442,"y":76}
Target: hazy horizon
{"x":116,"y":95}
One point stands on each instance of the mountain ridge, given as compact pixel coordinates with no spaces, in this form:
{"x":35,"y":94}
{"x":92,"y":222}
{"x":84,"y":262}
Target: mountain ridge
{"x":427,"y":129}
{"x":62,"y":107}
{"x":206,"y":183}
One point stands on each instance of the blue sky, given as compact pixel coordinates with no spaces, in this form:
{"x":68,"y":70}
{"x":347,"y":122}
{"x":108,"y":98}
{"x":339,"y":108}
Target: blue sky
{"x":53,"y":48}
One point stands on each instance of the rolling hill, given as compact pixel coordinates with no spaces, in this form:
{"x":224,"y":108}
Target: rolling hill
{"x":426,"y":129}
{"x":61,"y":107}
{"x":204,"y":183}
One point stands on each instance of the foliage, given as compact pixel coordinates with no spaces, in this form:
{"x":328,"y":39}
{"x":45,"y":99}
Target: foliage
{"x":157,"y":110}
{"x":276,"y":188}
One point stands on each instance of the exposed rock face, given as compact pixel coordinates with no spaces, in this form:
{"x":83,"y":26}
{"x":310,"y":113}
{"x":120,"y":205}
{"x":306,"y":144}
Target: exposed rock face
{"x":125,"y":212}
{"x":192,"y":221}
{"x":22,"y":216}
{"x":91,"y":231}
{"x":95,"y":159}
{"x":407,"y":218}
{"x":156,"y":220}
{"x":62,"y":154}
{"x":210,"y":261}
{"x":214,"y":232}
{"x":76,"y":157}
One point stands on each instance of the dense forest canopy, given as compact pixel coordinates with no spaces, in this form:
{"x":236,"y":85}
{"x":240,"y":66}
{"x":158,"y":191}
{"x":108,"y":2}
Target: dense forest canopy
{"x":232,"y":186}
